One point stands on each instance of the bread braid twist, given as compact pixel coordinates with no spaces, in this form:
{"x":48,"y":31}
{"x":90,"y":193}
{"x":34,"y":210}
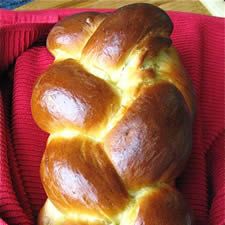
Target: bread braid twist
{"x":118,"y":107}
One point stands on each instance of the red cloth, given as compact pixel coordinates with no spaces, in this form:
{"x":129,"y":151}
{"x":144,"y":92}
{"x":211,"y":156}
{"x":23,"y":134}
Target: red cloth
{"x":23,"y":56}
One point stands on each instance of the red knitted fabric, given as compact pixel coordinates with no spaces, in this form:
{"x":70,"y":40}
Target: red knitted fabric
{"x":23,"y":56}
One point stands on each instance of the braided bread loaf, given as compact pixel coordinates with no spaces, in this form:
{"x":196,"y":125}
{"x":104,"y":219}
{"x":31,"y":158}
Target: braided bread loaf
{"x":118,"y":107}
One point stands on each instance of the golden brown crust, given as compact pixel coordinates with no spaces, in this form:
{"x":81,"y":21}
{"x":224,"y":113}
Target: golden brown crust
{"x":163,"y":206}
{"x":83,"y":179}
{"x":68,"y":97}
{"x":70,"y":35}
{"x":152,"y":141}
{"x":119,"y":115}
{"x":49,"y":215}
{"x":177,"y":75}
{"x":118,"y":34}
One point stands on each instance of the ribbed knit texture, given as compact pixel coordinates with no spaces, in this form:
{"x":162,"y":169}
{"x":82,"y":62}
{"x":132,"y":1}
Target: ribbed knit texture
{"x":200,"y":41}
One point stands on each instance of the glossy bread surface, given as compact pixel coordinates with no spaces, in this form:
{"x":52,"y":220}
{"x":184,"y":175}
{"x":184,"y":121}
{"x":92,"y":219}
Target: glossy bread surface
{"x":118,"y":34}
{"x":119,"y":107}
{"x":164,"y":205}
{"x":67,"y":97}
{"x":83,"y":179}
{"x":152,"y":141}
{"x":70,"y":35}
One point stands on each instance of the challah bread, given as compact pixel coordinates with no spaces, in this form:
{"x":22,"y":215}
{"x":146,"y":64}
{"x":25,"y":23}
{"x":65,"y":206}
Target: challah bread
{"x":118,"y":107}
{"x":56,"y":112}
